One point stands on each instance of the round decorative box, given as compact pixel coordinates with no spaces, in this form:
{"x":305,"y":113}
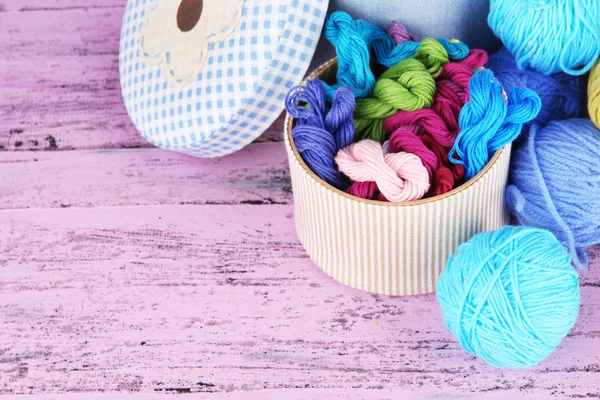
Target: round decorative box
{"x":391,"y":248}
{"x":206,"y":77}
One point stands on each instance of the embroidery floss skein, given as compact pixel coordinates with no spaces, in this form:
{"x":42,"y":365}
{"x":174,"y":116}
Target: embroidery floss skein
{"x":555,"y":183}
{"x":562,"y":95}
{"x":399,"y":33}
{"x":510,"y":296}
{"x":319,"y":135}
{"x":353,"y":41}
{"x":549,"y":35}
{"x":487,"y":123}
{"x":399,"y":176}
{"x":594,"y":95}
{"x":405,"y":86}
{"x":426,"y":120}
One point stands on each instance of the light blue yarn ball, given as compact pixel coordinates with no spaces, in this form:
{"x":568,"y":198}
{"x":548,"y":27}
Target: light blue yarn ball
{"x":510,"y":296}
{"x":555,"y":183}
{"x":549,"y":36}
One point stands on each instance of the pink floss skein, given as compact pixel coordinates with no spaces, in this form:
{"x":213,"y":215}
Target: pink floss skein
{"x":399,"y":176}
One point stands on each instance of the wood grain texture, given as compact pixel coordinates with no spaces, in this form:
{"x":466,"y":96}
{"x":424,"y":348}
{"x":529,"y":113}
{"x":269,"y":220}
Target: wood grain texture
{"x":223,"y":298}
{"x":258,"y":174}
{"x":129,"y":269}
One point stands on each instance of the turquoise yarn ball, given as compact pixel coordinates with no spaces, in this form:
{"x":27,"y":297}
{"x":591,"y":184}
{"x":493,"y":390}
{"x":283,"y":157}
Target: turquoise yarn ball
{"x":549,"y":36}
{"x":510,"y":296}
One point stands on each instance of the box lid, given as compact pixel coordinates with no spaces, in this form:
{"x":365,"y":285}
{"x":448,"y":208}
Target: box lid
{"x":206,"y":77}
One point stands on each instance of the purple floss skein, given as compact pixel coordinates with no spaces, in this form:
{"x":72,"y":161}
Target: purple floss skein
{"x":562,"y":95}
{"x":399,"y":33}
{"x":319,"y":135}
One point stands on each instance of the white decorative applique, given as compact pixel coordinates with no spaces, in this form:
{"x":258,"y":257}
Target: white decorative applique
{"x":177,"y":33}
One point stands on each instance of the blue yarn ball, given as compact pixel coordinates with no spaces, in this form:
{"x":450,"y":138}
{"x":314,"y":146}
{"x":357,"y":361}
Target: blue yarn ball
{"x":510,"y":296}
{"x":563,"y":96}
{"x":549,"y":35}
{"x":555,"y":184}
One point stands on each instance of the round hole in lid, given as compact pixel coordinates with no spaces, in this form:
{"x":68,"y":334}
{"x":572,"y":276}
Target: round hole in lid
{"x":188,"y":14}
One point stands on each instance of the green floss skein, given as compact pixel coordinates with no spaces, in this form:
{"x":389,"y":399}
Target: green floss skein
{"x":408,"y":85}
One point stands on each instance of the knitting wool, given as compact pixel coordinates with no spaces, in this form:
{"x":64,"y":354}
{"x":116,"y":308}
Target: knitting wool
{"x":594,"y":95}
{"x":549,"y":35}
{"x":318,"y":134}
{"x":487,"y":123}
{"x":555,"y":183}
{"x":562,"y":95}
{"x":510,"y":296}
{"x":399,"y":176}
{"x":354,"y":40}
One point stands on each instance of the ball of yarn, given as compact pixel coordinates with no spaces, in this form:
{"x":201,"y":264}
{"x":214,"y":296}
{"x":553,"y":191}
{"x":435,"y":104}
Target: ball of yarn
{"x":510,"y":296}
{"x":318,"y":134}
{"x":562,"y":95}
{"x":594,"y":94}
{"x":555,"y":183}
{"x":549,"y":35}
{"x":399,"y":176}
{"x":487,"y":123}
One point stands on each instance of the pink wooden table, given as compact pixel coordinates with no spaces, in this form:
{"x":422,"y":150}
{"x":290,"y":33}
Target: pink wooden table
{"x":128,"y":268}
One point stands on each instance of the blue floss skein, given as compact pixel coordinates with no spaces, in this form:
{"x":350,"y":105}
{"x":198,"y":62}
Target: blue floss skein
{"x":562,"y":95}
{"x":353,"y":41}
{"x":555,"y":184}
{"x":549,"y":35}
{"x":510,"y":296}
{"x":487,"y":123}
{"x":319,"y":135}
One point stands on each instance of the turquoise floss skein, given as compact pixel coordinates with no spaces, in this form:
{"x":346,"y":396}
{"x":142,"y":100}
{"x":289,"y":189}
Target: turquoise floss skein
{"x":510,"y":296}
{"x":549,"y":36}
{"x":487,"y":123}
{"x":355,"y":40}
{"x":555,"y":183}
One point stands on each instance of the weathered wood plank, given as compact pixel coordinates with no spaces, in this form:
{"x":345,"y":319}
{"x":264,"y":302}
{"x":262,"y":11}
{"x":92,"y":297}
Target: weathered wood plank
{"x":90,"y":178}
{"x":15,"y":6}
{"x":298,"y":394}
{"x":59,"y":80}
{"x":187,"y":297}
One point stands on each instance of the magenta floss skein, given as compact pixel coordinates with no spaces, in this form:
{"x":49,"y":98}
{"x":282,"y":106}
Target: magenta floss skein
{"x":562,"y":95}
{"x":555,"y":183}
{"x":319,"y":134}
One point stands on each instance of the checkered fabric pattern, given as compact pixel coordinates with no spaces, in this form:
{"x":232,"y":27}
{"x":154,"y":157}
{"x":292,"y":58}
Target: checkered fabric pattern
{"x":242,"y":87}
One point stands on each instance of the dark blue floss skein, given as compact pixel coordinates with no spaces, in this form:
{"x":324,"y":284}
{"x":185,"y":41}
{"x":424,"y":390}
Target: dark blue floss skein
{"x":487,"y":123}
{"x":562,"y":95}
{"x":555,"y":184}
{"x":319,"y":135}
{"x":353,"y":41}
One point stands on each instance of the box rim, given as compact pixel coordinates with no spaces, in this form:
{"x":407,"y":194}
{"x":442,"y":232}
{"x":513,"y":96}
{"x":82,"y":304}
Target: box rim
{"x":289,"y":140}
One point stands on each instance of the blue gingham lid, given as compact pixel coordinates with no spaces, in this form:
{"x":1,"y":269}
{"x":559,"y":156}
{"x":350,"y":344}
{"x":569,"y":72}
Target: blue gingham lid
{"x":206,"y":77}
